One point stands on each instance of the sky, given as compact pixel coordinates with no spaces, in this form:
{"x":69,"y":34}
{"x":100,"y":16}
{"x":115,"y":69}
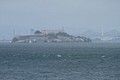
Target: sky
{"x":76,"y":16}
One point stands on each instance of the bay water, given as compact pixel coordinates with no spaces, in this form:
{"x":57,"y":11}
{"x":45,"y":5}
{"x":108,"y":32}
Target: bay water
{"x":60,"y":61}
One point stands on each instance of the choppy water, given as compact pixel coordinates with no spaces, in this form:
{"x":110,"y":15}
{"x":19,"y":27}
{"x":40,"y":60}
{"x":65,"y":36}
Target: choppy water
{"x":59,"y":61}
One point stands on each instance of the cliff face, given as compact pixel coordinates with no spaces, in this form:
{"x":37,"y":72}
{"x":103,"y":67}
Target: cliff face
{"x":51,"y":37}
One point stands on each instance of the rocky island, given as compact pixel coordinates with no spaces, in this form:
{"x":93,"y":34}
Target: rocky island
{"x":49,"y":36}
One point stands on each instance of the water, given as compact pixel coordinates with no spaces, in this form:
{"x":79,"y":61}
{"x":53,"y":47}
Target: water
{"x":60,"y":61}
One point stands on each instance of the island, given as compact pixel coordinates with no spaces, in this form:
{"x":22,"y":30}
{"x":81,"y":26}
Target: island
{"x":49,"y":36}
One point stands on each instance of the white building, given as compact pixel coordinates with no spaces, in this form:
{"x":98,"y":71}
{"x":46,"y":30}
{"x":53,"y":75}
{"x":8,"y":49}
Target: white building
{"x":51,"y":31}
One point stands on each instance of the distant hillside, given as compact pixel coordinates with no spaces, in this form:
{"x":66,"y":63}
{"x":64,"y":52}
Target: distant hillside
{"x":91,"y":33}
{"x":112,"y":33}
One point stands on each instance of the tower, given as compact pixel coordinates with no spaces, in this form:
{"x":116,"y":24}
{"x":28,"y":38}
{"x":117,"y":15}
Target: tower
{"x":14,"y":33}
{"x":31,"y":31}
{"x":62,"y":29}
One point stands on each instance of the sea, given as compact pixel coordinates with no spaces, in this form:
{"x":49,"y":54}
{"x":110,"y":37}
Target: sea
{"x":60,"y":61}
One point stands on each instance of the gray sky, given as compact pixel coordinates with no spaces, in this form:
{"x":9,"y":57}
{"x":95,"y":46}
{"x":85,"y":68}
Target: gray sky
{"x":75,"y":15}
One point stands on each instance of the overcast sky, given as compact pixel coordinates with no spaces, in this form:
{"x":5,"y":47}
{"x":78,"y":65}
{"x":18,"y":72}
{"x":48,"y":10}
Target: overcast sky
{"x":75,"y":16}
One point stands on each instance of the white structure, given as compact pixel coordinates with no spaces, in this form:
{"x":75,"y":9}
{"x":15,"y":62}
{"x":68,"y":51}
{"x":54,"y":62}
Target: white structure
{"x":51,"y":31}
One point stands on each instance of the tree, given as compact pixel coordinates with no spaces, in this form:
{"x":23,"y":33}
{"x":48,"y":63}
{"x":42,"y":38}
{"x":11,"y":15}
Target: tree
{"x":37,"y":32}
{"x":15,"y":39}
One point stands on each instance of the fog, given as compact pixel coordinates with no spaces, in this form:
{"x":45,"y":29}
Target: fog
{"x":76,"y":16}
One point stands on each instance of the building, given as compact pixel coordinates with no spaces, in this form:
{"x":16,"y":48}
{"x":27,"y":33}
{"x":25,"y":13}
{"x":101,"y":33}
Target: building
{"x":51,"y":31}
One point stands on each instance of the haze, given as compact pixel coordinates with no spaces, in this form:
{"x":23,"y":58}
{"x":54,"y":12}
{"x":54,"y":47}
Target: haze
{"x":76,"y":16}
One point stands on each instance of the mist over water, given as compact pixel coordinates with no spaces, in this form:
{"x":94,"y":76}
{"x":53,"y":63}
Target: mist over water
{"x":75,"y":16}
{"x":60,"y":61}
